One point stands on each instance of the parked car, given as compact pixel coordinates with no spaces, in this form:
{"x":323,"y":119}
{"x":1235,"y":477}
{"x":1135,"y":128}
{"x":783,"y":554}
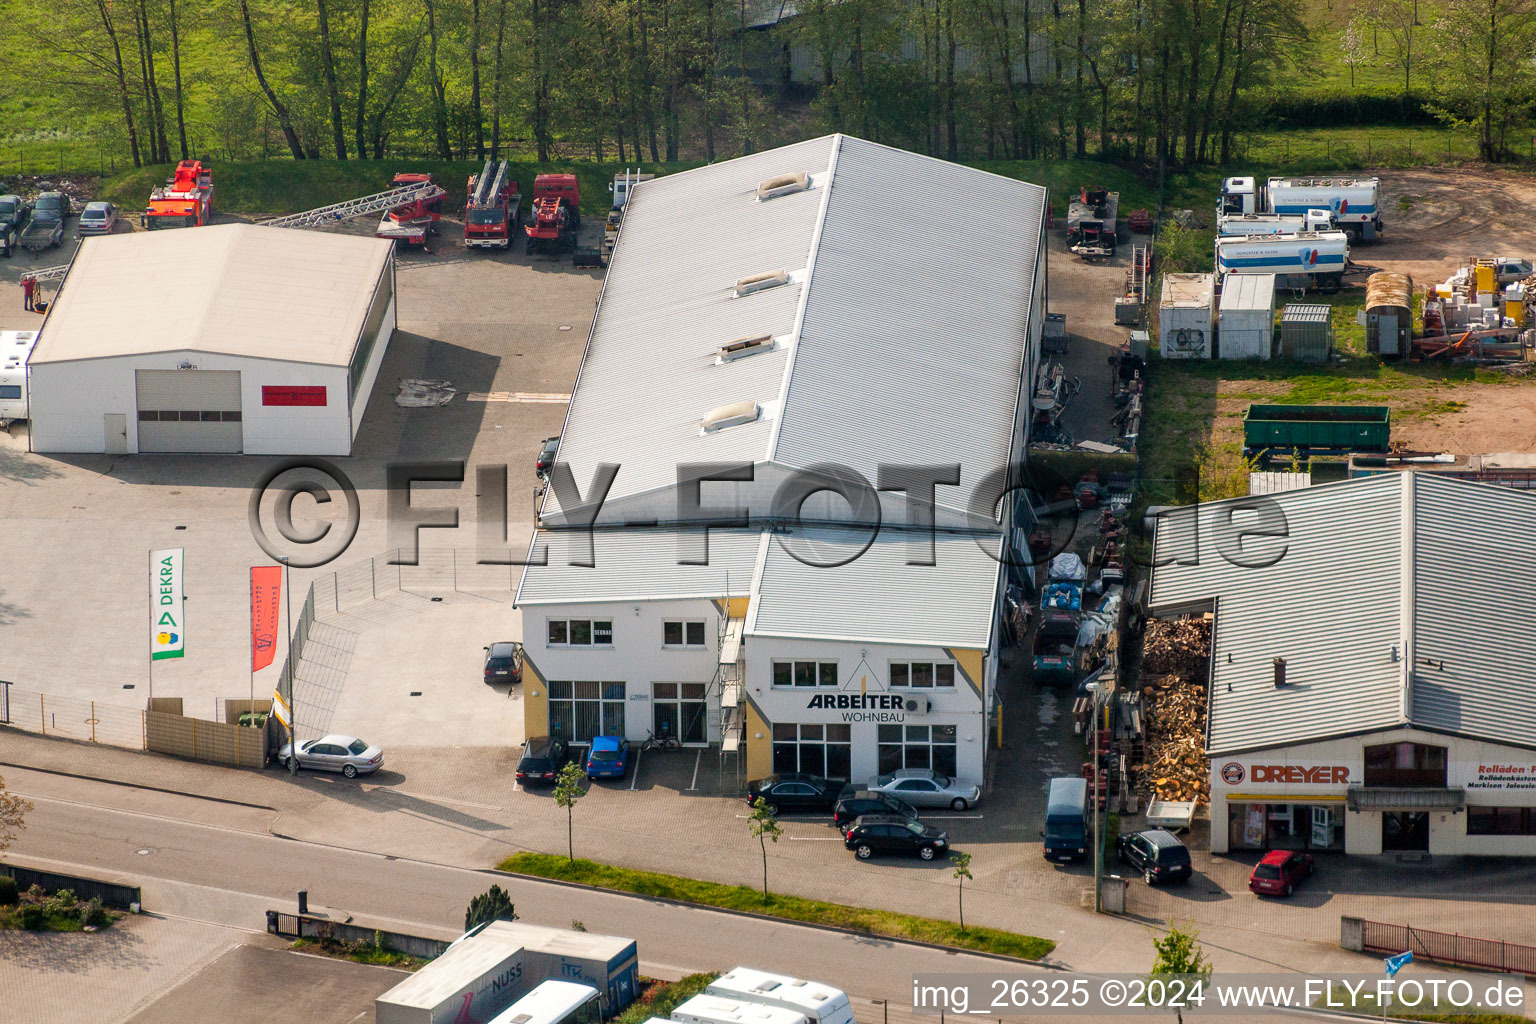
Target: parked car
{"x":794,"y":792}
{"x":1512,"y":268}
{"x":335,"y":753}
{"x":608,"y":757}
{"x":57,"y":201}
{"x":1157,"y":854}
{"x":96,"y":219}
{"x":546,"y":457}
{"x":543,"y":757}
{"x":923,"y":787}
{"x":1279,"y":872}
{"x":14,"y":212}
{"x":855,"y":801}
{"x":888,"y":833}
{"x":504,"y":662}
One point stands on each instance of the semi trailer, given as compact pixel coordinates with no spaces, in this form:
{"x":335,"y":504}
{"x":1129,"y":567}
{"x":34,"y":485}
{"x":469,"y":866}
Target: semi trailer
{"x":1306,"y":259}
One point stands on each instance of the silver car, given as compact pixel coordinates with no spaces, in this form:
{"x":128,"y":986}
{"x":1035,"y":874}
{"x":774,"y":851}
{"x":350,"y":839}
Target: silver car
{"x":922,"y":787}
{"x":335,"y":753}
{"x":97,"y":219}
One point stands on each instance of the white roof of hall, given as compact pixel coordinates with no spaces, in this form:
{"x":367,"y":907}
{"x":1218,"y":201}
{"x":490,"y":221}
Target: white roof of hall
{"x":231,"y":289}
{"x":899,"y":337}
{"x":1395,"y":600}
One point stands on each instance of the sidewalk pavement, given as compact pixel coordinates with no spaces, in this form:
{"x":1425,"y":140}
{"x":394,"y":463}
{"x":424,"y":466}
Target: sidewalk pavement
{"x":460,"y":807}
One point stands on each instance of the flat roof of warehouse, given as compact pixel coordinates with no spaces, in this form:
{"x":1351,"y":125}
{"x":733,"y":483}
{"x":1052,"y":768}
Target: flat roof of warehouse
{"x":231,"y":289}
{"x":1397,"y":600}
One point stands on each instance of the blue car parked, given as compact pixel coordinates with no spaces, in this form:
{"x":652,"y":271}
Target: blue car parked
{"x":608,"y":758}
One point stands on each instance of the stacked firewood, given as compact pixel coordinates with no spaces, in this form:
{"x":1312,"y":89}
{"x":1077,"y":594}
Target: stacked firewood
{"x":1175,"y":656}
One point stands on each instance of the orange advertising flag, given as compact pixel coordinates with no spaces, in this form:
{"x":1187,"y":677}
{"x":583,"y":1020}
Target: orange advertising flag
{"x":266,"y":593}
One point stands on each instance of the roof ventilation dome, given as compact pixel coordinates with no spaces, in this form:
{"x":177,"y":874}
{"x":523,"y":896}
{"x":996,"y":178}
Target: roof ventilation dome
{"x":783,"y":185}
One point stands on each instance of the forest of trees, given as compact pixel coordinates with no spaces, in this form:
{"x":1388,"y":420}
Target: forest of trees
{"x":1141,"y":80}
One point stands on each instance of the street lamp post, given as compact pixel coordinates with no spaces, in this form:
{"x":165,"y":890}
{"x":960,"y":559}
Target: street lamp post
{"x":293,"y":707}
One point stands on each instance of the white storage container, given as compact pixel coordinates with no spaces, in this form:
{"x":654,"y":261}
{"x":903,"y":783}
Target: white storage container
{"x":1246,"y":323}
{"x":476,"y":979}
{"x":1186,"y":319}
{"x":608,"y":963}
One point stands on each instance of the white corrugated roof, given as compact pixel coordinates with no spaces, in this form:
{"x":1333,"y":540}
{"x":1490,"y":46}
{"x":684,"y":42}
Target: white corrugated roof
{"x":1390,"y":600}
{"x":638,"y":565}
{"x":1248,"y":291}
{"x":234,"y":289}
{"x":899,"y":339}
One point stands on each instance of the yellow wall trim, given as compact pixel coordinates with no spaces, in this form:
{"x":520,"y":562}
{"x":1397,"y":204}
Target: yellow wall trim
{"x":535,"y":700}
{"x":759,"y":751}
{"x":972,"y":665}
{"x":737,"y":607}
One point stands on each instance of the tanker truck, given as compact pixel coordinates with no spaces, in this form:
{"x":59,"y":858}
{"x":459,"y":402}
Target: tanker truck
{"x":1354,"y":202}
{"x":1305,"y":259}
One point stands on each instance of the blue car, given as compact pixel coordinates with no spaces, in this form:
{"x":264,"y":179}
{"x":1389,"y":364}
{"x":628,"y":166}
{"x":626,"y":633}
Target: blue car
{"x":608,"y":758}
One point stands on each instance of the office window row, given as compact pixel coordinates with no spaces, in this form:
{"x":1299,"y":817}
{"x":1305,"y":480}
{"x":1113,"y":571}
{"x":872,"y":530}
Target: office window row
{"x":580,"y":633}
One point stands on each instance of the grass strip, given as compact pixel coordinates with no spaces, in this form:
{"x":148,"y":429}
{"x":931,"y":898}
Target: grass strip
{"x":888,"y":923}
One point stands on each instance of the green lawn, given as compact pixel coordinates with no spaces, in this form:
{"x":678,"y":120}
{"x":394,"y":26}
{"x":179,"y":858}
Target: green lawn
{"x":792,"y":908}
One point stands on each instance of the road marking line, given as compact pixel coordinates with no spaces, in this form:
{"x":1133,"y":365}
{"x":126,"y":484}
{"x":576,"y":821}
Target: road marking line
{"x":634,"y":778}
{"x":694,"y":785}
{"x":144,"y":814}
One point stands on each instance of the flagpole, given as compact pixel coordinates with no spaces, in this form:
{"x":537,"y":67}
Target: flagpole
{"x":293,"y":705}
{"x":252,"y":663}
{"x":149,"y":563}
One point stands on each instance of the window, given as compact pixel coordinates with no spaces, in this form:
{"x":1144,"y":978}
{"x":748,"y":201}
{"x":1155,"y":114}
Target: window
{"x":1405,"y":764}
{"x":917,"y":746}
{"x":805,"y":673}
{"x":580,"y":633}
{"x":185,"y":415}
{"x":922,"y":675}
{"x":682,"y":634}
{"x":12,"y":391}
{"x":824,"y":750}
{"x":1501,"y":821}
{"x":579,"y":711}
{"x":373,"y":326}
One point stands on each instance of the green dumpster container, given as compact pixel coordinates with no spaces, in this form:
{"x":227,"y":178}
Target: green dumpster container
{"x":1333,"y":428}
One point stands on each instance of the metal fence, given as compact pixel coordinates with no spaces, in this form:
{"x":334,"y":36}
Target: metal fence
{"x":1450,"y":948}
{"x":441,"y":570}
{"x":76,"y":718}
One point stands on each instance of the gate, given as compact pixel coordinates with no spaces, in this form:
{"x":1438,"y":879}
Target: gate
{"x":1450,"y":948}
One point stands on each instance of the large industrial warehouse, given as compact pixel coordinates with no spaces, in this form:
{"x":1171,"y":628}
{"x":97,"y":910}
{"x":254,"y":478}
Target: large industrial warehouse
{"x":811,"y":319}
{"x":227,"y":339}
{"x":1372,"y":670}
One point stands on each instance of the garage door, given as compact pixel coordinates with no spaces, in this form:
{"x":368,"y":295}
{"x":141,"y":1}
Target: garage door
{"x":189,"y":410}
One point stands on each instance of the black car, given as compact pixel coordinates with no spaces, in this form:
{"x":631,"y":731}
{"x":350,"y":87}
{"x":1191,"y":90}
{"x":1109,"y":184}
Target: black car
{"x":891,"y":833}
{"x":795,"y":792}
{"x":504,"y":662}
{"x":53,"y":201}
{"x":546,"y":457}
{"x":14,"y":212}
{"x":543,"y":757}
{"x":854,"y":802}
{"x":1157,"y":854}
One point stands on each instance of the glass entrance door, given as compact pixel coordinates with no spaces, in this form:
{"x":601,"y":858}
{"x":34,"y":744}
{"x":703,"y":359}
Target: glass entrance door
{"x":1405,"y":830}
{"x":680,"y":710}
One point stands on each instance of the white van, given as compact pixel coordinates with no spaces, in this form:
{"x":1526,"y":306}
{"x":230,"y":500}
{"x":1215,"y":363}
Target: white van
{"x":822,"y":1004}
{"x":15,"y":348}
{"x":712,"y":1009}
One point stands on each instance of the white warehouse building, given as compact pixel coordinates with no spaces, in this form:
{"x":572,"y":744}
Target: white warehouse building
{"x":1373,"y":672}
{"x":236,"y":338}
{"x":808,"y":321}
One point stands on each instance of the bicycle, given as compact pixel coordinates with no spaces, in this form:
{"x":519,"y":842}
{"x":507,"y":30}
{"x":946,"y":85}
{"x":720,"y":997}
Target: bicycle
{"x":666,"y":741}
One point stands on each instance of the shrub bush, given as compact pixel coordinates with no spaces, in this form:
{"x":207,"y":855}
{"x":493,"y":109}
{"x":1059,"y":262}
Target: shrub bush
{"x":92,"y":913}
{"x":10,"y":892}
{"x":31,"y":916}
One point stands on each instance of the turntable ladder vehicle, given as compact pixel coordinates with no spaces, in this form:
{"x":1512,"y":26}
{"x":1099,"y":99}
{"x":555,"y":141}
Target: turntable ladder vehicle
{"x":424,"y":191}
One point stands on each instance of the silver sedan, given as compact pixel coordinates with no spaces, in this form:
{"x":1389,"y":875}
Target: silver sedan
{"x":335,"y":753}
{"x":922,"y":787}
{"x":97,"y":219}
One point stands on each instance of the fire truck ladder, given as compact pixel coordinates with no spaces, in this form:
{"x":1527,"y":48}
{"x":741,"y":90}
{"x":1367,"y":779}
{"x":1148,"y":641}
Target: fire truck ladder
{"x":489,"y":185}
{"x":377,"y":203}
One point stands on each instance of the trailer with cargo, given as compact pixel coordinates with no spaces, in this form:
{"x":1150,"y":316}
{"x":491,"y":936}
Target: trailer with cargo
{"x":1354,"y":202}
{"x":1332,"y":429}
{"x":1306,"y":259}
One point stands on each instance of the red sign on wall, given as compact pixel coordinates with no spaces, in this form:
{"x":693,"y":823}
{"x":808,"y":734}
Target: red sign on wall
{"x":292,"y":395}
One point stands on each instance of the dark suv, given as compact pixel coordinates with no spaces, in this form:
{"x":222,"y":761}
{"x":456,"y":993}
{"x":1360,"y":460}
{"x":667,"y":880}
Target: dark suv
{"x":504,"y":662}
{"x":854,"y":802}
{"x":14,"y":212}
{"x":1157,"y":854}
{"x":542,"y":760}
{"x":892,"y":833}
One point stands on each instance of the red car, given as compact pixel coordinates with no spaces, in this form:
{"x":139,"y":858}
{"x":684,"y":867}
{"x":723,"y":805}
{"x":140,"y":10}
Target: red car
{"x":1279,"y":872}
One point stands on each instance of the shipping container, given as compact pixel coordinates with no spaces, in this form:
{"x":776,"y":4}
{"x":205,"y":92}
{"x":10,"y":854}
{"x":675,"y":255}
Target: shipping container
{"x":1246,"y":322}
{"x":823,"y":1004}
{"x":1333,"y":428}
{"x":1306,"y":332}
{"x":1186,"y":316}
{"x":1388,"y":313}
{"x":475,"y":979}
{"x":708,"y":1009}
{"x":608,"y":963}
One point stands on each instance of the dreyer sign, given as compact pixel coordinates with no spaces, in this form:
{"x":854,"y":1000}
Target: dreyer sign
{"x":1271,"y":773}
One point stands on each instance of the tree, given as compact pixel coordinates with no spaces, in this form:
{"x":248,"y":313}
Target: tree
{"x":568,"y":790}
{"x":492,"y":905}
{"x":1178,"y":952}
{"x":1352,"y":47}
{"x":328,"y":72}
{"x":279,"y":108}
{"x":13,"y":813}
{"x":1401,"y":20}
{"x":765,"y":827}
{"x":962,"y":874}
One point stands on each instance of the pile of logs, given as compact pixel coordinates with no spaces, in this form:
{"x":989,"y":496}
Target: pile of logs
{"x":1175,"y":656}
